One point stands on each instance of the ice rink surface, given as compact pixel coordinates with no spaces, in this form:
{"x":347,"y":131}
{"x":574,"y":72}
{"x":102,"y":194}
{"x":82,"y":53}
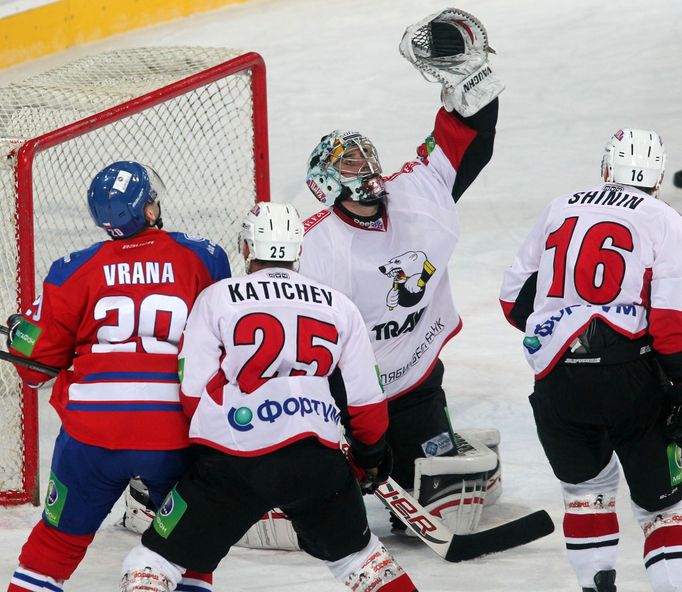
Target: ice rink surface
{"x":575,"y":73}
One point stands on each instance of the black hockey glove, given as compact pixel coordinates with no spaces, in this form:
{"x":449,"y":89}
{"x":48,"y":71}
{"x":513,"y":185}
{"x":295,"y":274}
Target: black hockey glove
{"x":370,"y":478}
{"x":673,"y":425}
{"x":13,"y":322}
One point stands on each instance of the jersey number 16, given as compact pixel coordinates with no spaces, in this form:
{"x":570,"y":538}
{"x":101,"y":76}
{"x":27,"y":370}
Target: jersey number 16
{"x":599,"y":268}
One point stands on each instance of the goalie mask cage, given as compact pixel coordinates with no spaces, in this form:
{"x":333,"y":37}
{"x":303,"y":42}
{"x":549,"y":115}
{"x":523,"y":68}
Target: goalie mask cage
{"x":196,"y":115}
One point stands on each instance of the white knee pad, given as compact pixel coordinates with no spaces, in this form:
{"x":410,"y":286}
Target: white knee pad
{"x":606,"y":482}
{"x":491,"y":438}
{"x":145,"y":579}
{"x":454,"y":487}
{"x":650,"y":521}
{"x":143,"y":569}
{"x":272,"y":531}
{"x":367,"y":570}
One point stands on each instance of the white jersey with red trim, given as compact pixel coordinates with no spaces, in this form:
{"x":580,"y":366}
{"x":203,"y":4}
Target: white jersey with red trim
{"x":397,"y":272}
{"x":256,"y":359}
{"x":611,"y":252}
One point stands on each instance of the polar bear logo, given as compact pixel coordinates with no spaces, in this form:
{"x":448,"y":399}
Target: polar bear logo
{"x":409,"y":272}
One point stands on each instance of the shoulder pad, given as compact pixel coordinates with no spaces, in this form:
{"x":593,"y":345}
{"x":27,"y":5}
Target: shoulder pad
{"x":62,"y":269}
{"x":212,"y":255}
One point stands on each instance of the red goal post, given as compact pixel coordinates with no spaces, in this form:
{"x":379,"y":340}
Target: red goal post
{"x":198,"y":116}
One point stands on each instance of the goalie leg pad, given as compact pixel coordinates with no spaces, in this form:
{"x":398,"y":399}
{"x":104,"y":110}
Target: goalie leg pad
{"x":273,"y":531}
{"x":453,"y":488}
{"x":491,"y":438}
{"x":139,"y":509}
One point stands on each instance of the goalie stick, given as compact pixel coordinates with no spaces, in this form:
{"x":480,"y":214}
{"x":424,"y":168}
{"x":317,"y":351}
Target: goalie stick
{"x":460,"y":547}
{"x":30,"y":364}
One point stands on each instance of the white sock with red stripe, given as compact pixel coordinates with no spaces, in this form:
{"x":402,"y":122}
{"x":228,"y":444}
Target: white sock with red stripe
{"x":591,"y":525}
{"x":662,"y":546}
{"x":195,"y":581}
{"x":24,"y":579}
{"x":371,"y":569}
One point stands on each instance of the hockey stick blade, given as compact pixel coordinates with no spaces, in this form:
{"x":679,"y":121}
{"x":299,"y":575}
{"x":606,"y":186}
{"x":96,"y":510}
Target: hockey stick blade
{"x":30,"y":364}
{"x":460,"y":547}
{"x":500,"y":538}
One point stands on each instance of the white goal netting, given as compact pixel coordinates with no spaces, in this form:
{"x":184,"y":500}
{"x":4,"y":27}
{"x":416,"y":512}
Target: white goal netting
{"x":196,"y":115}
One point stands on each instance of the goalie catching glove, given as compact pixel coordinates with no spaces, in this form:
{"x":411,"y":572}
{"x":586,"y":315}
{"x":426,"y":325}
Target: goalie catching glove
{"x":451,"y":47}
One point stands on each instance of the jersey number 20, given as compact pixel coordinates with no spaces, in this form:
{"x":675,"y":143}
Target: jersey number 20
{"x":133,"y":322}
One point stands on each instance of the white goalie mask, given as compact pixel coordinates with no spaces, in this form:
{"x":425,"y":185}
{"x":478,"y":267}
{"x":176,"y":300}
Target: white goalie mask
{"x":345,"y":165}
{"x":634,"y":157}
{"x":273,"y":232}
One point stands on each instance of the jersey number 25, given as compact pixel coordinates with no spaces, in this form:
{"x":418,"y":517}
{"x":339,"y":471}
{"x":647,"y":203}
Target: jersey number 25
{"x":309,"y":349}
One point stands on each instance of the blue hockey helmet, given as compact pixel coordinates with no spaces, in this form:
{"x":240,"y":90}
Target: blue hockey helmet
{"x":118,"y":195}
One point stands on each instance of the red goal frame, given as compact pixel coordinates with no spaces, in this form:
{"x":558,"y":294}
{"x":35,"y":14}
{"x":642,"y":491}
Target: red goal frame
{"x":25,"y":156}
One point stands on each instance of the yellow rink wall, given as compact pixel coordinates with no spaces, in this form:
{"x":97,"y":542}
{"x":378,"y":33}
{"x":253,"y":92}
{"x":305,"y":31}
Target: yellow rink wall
{"x":64,"y":23}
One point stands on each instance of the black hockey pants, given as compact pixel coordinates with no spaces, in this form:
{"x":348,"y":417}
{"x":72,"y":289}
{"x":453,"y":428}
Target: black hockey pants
{"x":221,"y":496}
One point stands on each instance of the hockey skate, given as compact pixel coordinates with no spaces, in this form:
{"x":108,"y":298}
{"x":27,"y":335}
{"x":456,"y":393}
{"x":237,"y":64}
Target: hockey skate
{"x":605,"y":581}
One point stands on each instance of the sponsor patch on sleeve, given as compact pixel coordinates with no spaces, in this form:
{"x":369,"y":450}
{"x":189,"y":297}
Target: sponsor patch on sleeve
{"x":169,"y":514}
{"x":26,"y":337}
{"x":181,"y":369}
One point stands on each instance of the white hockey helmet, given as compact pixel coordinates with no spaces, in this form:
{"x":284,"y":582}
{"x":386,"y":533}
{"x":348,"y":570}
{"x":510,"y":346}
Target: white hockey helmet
{"x":273,"y":232}
{"x":634,"y":157}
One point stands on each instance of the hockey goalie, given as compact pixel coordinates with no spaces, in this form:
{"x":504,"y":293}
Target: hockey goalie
{"x":386,"y":241}
{"x":453,"y":475}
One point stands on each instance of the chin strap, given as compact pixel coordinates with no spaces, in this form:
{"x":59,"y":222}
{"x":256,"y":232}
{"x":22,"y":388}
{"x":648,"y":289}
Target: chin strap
{"x":159,"y":221}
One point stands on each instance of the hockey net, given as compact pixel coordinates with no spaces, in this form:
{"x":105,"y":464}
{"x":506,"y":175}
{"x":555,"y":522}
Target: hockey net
{"x":197,"y":115}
